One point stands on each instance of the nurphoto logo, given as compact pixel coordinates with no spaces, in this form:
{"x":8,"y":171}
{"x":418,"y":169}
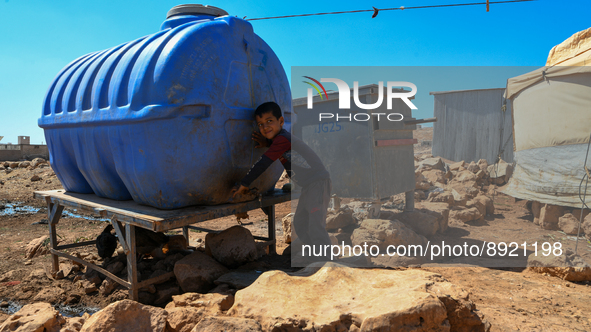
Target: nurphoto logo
{"x":345,"y":99}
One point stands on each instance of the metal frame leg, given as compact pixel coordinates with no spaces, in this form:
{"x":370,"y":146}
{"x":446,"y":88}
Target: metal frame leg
{"x":131,"y":262}
{"x":270,"y":211}
{"x":186,"y":234}
{"x":54,"y":213}
{"x":409,"y":204}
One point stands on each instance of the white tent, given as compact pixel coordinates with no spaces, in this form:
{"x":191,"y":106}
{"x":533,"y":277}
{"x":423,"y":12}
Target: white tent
{"x":552,"y":125}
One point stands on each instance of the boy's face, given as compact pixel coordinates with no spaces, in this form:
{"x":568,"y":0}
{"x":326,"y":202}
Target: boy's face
{"x":269,"y":125}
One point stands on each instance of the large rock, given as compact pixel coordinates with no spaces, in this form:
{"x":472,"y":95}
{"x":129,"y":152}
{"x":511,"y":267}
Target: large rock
{"x":197,"y":272}
{"x":484,"y":204}
{"x":24,"y":164}
{"x":419,"y":195}
{"x":549,"y":215}
{"x":467,"y":189}
{"x":459,"y":199}
{"x":435,"y":175}
{"x":340,"y":219}
{"x":465,"y":176}
{"x":13,"y":165}
{"x":108,"y":286}
{"x":233,"y":247}
{"x":127,"y":316}
{"x":482,"y":164}
{"x":586,"y":226}
{"x":567,"y":266}
{"x":473,"y":167}
{"x":37,"y":317}
{"x":37,"y":247}
{"x":441,"y":197}
{"x":210,"y":303}
{"x":568,"y":224}
{"x":422,"y":223}
{"x":183,"y":319}
{"x":536,"y":208}
{"x":38,"y":161}
{"x":464,"y":215}
{"x":439,"y":210}
{"x":421,"y":181}
{"x":456,"y":166}
{"x":227,"y":324}
{"x":501,"y":170}
{"x":383,"y":233}
{"x":336,"y":298}
{"x":432,"y":163}
{"x":74,"y":324}
{"x":186,"y":310}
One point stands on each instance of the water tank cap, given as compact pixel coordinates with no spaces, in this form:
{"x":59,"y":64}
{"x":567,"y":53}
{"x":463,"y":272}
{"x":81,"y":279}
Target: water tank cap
{"x":195,"y":9}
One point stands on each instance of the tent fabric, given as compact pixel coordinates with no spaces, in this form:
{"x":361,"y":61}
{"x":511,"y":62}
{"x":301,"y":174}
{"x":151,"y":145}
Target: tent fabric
{"x":552,"y":124}
{"x":550,"y":175}
{"x":554,"y":112}
{"x":573,"y":56}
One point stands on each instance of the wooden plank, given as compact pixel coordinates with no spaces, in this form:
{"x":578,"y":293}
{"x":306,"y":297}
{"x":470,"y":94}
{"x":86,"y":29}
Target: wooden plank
{"x":120,"y":236}
{"x":157,"y":219}
{"x":55,"y":265}
{"x":155,"y":280}
{"x":76,"y":245}
{"x":92,"y":266}
{"x":55,"y":213}
{"x":131,"y":262}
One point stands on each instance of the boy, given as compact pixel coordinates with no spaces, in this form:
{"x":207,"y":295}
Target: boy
{"x":302,"y":166}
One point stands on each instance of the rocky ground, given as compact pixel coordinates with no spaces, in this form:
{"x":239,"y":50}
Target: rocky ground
{"x":456,"y":203}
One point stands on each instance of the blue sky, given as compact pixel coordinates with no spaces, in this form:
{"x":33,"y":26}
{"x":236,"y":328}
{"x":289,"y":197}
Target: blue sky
{"x":39,"y":38}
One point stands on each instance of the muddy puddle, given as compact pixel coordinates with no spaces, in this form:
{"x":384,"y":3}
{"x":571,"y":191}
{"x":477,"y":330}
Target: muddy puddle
{"x":12,"y":209}
{"x":11,"y":307}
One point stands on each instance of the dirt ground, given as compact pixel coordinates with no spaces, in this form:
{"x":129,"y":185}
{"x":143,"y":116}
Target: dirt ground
{"x":511,"y":299}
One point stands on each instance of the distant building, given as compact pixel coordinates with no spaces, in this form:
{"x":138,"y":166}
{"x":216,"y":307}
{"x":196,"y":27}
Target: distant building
{"x":24,"y":150}
{"x":473,"y":125}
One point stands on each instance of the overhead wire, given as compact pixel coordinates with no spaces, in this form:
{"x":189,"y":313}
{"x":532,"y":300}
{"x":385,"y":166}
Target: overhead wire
{"x":376,"y":10}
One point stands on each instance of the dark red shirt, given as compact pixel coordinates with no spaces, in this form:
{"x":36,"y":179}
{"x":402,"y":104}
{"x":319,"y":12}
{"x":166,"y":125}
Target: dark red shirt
{"x":301,"y":163}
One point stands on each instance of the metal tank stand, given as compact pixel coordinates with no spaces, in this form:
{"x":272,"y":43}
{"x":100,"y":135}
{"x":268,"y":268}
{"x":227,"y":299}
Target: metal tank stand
{"x":130,"y":214}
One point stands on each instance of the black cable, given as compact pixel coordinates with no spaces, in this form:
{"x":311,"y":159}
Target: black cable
{"x":585,"y":176}
{"x":584,"y":195}
{"x":399,"y":8}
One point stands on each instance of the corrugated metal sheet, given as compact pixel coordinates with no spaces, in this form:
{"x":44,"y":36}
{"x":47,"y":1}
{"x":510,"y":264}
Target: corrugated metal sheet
{"x":472,"y":125}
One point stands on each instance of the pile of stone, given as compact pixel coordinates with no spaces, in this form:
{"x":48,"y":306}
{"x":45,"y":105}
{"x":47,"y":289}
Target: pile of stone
{"x":566,"y":219}
{"x":568,"y":266}
{"x":313,"y":299}
{"x":352,"y":225}
{"x":9,"y":166}
{"x":193,"y":271}
{"x":463,"y":187}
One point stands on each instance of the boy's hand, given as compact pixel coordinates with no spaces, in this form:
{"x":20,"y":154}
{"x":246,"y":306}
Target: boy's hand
{"x":260,"y":139}
{"x":239,"y":191}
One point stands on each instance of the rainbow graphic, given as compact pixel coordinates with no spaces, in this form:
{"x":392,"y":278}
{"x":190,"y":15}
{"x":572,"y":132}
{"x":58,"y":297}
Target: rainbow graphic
{"x":316,"y":88}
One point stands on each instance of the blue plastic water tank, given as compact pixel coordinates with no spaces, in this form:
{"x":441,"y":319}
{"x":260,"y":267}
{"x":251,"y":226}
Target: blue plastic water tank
{"x":166,"y":119}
